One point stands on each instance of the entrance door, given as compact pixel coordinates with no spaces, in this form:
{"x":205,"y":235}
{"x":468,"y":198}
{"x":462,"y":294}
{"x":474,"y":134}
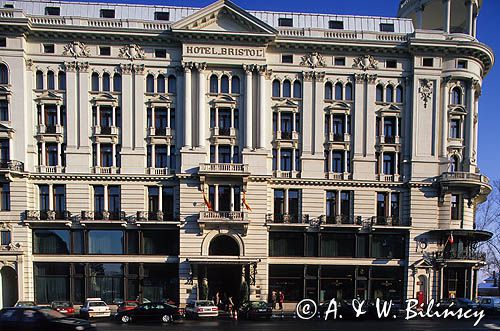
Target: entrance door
{"x":9,"y":287}
{"x":226,"y":280}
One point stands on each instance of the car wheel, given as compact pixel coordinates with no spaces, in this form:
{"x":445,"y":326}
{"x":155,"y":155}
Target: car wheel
{"x":166,"y":318}
{"x":125,"y":319}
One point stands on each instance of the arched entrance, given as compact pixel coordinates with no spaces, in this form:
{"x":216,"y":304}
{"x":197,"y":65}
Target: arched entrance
{"x":9,"y":287}
{"x":223,"y":279}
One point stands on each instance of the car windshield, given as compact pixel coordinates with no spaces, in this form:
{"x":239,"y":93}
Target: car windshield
{"x":205,"y":303}
{"x":259,"y":304}
{"x":51,"y":314}
{"x":97,"y":304}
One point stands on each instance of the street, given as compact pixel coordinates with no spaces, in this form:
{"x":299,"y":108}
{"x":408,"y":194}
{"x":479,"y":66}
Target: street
{"x":296,"y":324}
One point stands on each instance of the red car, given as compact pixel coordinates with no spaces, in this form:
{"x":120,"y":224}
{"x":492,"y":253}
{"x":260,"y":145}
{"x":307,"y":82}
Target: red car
{"x":64,"y":307}
{"x":127,"y":305}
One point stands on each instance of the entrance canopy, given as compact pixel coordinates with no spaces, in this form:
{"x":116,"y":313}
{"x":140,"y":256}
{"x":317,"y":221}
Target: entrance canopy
{"x":234,"y":260}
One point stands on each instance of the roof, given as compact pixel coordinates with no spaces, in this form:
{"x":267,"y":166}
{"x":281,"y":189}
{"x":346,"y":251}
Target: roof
{"x":176,"y":13}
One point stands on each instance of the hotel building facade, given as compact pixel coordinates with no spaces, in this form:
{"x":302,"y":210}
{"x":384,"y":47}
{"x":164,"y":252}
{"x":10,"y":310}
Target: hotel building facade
{"x":171,"y":152}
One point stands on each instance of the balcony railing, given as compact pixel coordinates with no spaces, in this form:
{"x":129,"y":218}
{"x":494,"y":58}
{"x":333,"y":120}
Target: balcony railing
{"x":286,"y":135}
{"x":161,"y":132}
{"x":12,"y":165}
{"x":104,"y":215}
{"x":223,"y":132}
{"x":336,"y":220}
{"x":158,"y":171}
{"x":286,"y":174}
{"x":50,"y":129}
{"x":50,"y":169}
{"x":463,"y":255}
{"x":388,"y":178}
{"x":106,"y":170}
{"x":338,"y":137}
{"x":464,"y":176}
{"x":223,"y":216}
{"x":47,"y":215}
{"x":159,"y":216}
{"x":105,"y":130}
{"x":223,"y":168}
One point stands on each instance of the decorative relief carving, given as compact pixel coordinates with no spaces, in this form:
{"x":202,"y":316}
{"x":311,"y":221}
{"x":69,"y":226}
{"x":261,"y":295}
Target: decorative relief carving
{"x":70,"y":66}
{"x":370,"y":78}
{"x":132,"y":52}
{"x":313,"y":60}
{"x":76,"y":66}
{"x":187,"y":66}
{"x":425,"y":90}
{"x":83,"y":66}
{"x":29,"y":64}
{"x":200,"y":66}
{"x":308,"y":76}
{"x":76,"y":49}
{"x":365,"y":62}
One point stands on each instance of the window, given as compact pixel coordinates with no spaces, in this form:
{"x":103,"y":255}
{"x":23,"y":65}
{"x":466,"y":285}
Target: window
{"x":52,"y":11}
{"x":150,"y":83}
{"x":49,"y":48}
{"x":3,"y":42}
{"x":59,"y":199}
{"x":287,"y":58}
{"x":107,"y":13}
{"x":337,"y":25}
{"x":50,"y":80}
{"x":461,"y":64}
{"x":8,"y":5}
{"x":328,"y":91}
{"x":153,"y":199}
{"x":381,"y":206}
{"x":61,"y":80}
{"x":117,"y":82}
{"x":51,"y":283}
{"x":105,"y":241}
{"x":162,"y":16}
{"x":4,"y":150}
{"x":456,"y":207}
{"x":340,"y":61}
{"x":331,"y":206}
{"x":455,"y":129}
{"x":161,"y":53}
{"x":399,"y":94}
{"x":106,"y":281}
{"x":98,"y":201}
{"x":339,"y":91}
{"x":283,"y":21}
{"x":172,"y":84}
{"x":114,"y":203}
{"x":214,"y":84}
{"x":297,"y":90}
{"x":5,"y":237}
{"x":39,"y":80}
{"x":395,"y":204}
{"x":389,"y":166}
{"x":4,"y":110}
{"x":106,"y":82}
{"x":348,"y":91}
{"x":5,"y":196}
{"x":391,"y":64}
{"x":389,"y":93}
{"x":379,"y":93}
{"x":160,"y":84}
{"x":276,"y":89}
{"x":386,"y":27}
{"x":345,"y":204}
{"x":224,"y":84}
{"x":235,"y":85}
{"x":105,"y":50}
{"x":51,"y":241}
{"x":456,"y":96}
{"x":286,"y":244}
{"x":428,"y":62}
{"x":95,"y":82}
{"x":387,"y":246}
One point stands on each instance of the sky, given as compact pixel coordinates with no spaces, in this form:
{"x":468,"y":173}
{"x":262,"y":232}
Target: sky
{"x":489,"y":116}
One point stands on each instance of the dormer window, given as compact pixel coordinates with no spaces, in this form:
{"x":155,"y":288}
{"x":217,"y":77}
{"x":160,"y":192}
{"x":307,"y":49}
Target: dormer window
{"x":8,"y":5}
{"x":162,"y":16}
{"x":386,"y":27}
{"x":53,"y":11}
{"x":336,"y":25}
{"x":283,"y":21}
{"x":107,"y":13}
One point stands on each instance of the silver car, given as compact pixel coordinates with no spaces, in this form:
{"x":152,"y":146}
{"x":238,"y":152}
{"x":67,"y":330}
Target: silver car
{"x":201,"y":309}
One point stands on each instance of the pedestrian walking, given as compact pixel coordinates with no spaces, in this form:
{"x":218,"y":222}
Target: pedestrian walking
{"x":281,"y":299}
{"x":231,"y":306}
{"x":273,"y":299}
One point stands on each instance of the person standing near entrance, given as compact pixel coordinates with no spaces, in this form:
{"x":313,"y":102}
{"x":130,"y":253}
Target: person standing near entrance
{"x":281,"y":299}
{"x":217,"y":298}
{"x":273,"y":299}
{"x":231,"y":306}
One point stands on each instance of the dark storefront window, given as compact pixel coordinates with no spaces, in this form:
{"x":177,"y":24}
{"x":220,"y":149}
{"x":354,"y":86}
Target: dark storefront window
{"x":51,"y":241}
{"x":160,"y":282}
{"x":51,"y":282}
{"x":106,"y":281}
{"x":160,"y":242}
{"x":337,"y":282}
{"x":334,"y":245}
{"x":388,"y":246}
{"x":289,"y":279}
{"x":286,"y":244}
{"x":106,"y":242}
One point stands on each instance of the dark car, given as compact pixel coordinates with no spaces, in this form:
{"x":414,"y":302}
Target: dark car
{"x":64,"y":307}
{"x":39,"y":319}
{"x":127,"y":305}
{"x":456,"y":303}
{"x":255,"y":310}
{"x":374,"y":313}
{"x":150,"y":312}
{"x":344,"y":309}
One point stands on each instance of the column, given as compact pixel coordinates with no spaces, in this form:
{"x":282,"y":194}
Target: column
{"x":470,"y":123}
{"x":474,"y":25}
{"x":153,"y":156}
{"x":98,"y":116}
{"x":187,"y":105}
{"x":51,"y":197}
{"x":262,"y":107}
{"x":420,"y":17}
{"x":59,"y":163}
{"x":106,"y":198}
{"x":446,"y":21}
{"x":44,"y":154}
{"x":293,"y":159}
{"x":318,"y":117}
{"x":345,"y":161}
{"x":232,"y":197}
{"x":444,"y":121}
{"x":216,"y":149}
{"x":248,"y":106}
{"x":216,"y":197}
{"x":98,"y":154}
{"x":113,"y":148}
{"x":338,"y":203}
{"x":160,"y":197}
{"x":42,"y":114}
{"x":470,"y":17}
{"x":396,"y":163}
{"x":476,"y":117}
{"x":113,"y":118}
{"x":201,"y":103}
{"x":307,"y":117}
{"x":58,"y":115}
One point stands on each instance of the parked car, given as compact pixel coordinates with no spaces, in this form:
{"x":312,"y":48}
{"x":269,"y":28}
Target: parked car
{"x":456,"y":303}
{"x":127,"y":305}
{"x":255,"y":310}
{"x":201,"y":309}
{"x":25,"y":304}
{"x":150,"y":312}
{"x":344,"y":308}
{"x":64,"y":307}
{"x":491,"y":305}
{"x":373,"y":313}
{"x":94,"y":307}
{"x":40,"y":319}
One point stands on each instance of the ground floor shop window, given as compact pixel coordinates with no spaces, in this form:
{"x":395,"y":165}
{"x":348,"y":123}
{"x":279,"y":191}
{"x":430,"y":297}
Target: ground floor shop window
{"x":113,"y":282}
{"x":456,"y":282}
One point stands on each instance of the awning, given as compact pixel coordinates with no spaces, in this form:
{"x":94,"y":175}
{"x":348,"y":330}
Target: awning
{"x":474,"y":235}
{"x":234,"y":260}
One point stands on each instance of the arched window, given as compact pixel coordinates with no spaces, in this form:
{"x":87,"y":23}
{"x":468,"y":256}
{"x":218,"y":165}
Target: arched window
{"x":214,"y":84}
{"x":276,"y":88}
{"x":379,"y":93}
{"x":456,"y":96}
{"x":454,"y":163}
{"x":95,"y":82}
{"x":348,"y":91}
{"x":224,"y":84}
{"x":4,"y":74}
{"x":150,"y":83}
{"x":61,"y":80}
{"x":328,"y":91}
{"x":339,"y":91}
{"x":106,"y":82}
{"x":160,"y":84}
{"x":117,"y":82}
{"x":235,"y":85}
{"x":389,"y":94}
{"x":51,"y":83}
{"x":287,"y":89}
{"x":399,"y":94}
{"x":172,"y":84}
{"x":297,"y":89}
{"x":39,"y":80}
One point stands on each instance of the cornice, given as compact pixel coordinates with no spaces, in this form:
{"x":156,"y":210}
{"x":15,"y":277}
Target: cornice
{"x":98,"y":177}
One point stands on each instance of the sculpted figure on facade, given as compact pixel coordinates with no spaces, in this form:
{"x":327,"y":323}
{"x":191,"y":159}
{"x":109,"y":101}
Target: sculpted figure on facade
{"x":365,"y":62}
{"x":76,"y":49}
{"x":313,"y":60}
{"x":132,"y":52}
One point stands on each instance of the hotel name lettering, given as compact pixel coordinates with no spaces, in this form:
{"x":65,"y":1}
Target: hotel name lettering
{"x":224,"y":51}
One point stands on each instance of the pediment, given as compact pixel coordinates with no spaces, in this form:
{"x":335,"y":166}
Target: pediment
{"x":49,"y":96}
{"x":6,"y":128}
{"x":459,"y":110}
{"x":225,"y":17}
{"x":223,"y":99}
{"x":338,"y":105}
{"x":104,"y":98}
{"x":159,"y":99}
{"x":391,"y":108}
{"x":423,"y":263}
{"x":287,"y":103}
{"x":4,"y":90}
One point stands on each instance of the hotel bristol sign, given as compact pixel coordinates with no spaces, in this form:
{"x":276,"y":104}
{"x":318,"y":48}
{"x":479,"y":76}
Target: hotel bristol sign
{"x":224,"y":51}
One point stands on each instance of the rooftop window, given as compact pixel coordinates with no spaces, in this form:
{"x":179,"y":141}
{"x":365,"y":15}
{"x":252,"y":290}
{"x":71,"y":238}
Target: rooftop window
{"x":52,"y":11}
{"x":338,"y":25}
{"x":49,"y":48}
{"x":105,"y":50}
{"x":8,"y":5}
{"x":287,"y":58}
{"x":107,"y":13}
{"x":386,"y":27}
{"x":428,"y":62}
{"x":391,"y":64}
{"x":340,"y":61}
{"x":283,"y":21}
{"x":161,"y":53}
{"x":162,"y":16}
{"x":3,"y":42}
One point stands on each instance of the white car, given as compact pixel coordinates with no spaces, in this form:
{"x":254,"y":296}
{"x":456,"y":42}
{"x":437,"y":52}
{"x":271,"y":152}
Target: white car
{"x":201,"y":308}
{"x":94,"y":307}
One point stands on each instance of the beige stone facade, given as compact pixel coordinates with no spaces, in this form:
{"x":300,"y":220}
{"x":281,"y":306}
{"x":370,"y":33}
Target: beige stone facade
{"x":321,"y":155}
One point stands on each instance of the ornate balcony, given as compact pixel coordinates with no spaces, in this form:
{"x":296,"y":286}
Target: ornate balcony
{"x":224,"y":169}
{"x":338,"y":138}
{"x":388,"y":178}
{"x":90,"y":215}
{"x":338,"y":175}
{"x":105,"y":130}
{"x":286,"y":174}
{"x":337,"y":220}
{"x":106,"y":170}
{"x":47,"y":215}
{"x":50,"y":169}
{"x":388,"y":140}
{"x":12,"y":165}
{"x":476,"y":185}
{"x":465,"y":255}
{"x":56,"y":130}
{"x":160,"y":135}
{"x":223,"y":219}
{"x":158,"y":171}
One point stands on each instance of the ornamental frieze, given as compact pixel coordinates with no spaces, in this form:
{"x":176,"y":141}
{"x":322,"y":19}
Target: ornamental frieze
{"x":313,"y":60}
{"x":76,"y":49}
{"x":132,"y":52}
{"x":425,"y":90}
{"x":365,"y":62}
